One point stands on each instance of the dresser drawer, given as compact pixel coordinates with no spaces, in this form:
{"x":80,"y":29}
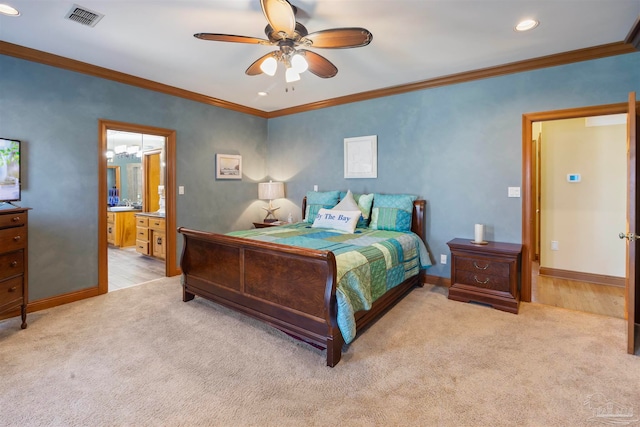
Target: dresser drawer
{"x":11,"y":263}
{"x":142,"y":221}
{"x":156,"y":224}
{"x":111,"y":217}
{"x":483,"y":281}
{"x":483,"y":265}
{"x":13,"y":220}
{"x":11,"y":292}
{"x":12,"y":239}
{"x":142,"y":233}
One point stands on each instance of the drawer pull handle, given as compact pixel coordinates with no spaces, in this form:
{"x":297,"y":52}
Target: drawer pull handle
{"x":17,"y":238}
{"x":15,"y":219}
{"x":13,"y":289}
{"x":480,"y":268}
{"x":13,"y":264}
{"x":478,"y":281}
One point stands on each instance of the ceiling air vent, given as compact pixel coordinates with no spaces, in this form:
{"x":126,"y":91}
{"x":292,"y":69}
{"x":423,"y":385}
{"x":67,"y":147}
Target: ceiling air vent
{"x":84,"y":16}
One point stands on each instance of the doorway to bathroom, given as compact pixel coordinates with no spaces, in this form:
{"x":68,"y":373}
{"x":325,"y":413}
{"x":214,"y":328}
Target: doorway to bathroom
{"x":136,"y":205}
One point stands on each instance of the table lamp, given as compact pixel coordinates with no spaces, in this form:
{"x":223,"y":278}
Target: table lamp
{"x":270,"y":191}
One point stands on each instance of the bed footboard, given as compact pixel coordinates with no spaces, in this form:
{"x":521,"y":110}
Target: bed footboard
{"x":292,"y":289}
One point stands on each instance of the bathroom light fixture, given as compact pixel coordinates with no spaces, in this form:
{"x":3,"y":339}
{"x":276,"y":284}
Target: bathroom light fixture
{"x":270,"y":191}
{"x":5,"y":9}
{"x":526,"y":25}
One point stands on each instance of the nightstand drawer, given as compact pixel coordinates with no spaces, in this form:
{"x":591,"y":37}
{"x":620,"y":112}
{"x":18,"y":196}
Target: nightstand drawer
{"x":11,"y":292}
{"x":487,"y":274}
{"x":483,"y":266}
{"x":484,"y":281}
{"x":11,"y":264}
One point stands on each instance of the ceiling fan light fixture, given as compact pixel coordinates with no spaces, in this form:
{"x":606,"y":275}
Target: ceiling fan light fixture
{"x":299,"y":63}
{"x":269,"y":66}
{"x":291,"y":75}
{"x":526,"y":25}
{"x":5,"y":9}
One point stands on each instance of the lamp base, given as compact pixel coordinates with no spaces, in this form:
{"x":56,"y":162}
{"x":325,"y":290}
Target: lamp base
{"x":270,"y":214}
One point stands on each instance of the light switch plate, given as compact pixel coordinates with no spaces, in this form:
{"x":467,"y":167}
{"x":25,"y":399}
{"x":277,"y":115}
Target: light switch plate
{"x":181,"y":189}
{"x":514,"y":192}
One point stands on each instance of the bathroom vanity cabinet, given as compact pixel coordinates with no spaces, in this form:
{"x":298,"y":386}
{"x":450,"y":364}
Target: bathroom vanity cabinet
{"x":151,"y":235}
{"x":121,"y":228}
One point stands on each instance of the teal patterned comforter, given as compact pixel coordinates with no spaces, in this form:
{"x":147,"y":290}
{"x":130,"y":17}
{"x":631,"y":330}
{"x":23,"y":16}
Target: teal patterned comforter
{"x":369,"y":262}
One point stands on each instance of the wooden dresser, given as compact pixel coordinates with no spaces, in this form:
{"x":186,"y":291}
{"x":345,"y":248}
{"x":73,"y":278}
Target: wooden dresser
{"x":487,"y":274}
{"x":13,"y":262}
{"x":151,"y":235}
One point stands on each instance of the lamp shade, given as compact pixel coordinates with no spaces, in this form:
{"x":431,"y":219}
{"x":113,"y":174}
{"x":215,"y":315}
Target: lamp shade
{"x":270,"y":190}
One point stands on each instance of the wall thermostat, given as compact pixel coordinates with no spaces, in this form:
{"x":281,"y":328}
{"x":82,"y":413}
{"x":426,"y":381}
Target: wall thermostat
{"x":573,"y":177}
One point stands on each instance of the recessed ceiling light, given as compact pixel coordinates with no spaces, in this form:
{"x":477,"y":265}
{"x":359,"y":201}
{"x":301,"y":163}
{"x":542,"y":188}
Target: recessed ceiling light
{"x":526,"y":25}
{"x":5,"y":9}
{"x":263,"y":93}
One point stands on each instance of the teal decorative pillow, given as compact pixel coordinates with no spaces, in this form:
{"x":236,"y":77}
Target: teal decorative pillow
{"x":337,"y":219}
{"x":392,"y":212}
{"x":317,"y":200}
{"x":362,"y":201}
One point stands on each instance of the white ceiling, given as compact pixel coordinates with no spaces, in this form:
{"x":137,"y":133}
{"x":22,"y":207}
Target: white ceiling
{"x":413,"y":40}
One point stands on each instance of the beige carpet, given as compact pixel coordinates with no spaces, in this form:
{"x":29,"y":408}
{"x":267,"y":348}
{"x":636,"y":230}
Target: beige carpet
{"x":142,"y":357}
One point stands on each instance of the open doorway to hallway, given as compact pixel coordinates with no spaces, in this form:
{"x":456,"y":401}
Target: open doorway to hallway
{"x":579,"y":192}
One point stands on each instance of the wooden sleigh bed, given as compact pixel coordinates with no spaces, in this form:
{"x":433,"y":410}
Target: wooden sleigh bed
{"x":290,"y":288}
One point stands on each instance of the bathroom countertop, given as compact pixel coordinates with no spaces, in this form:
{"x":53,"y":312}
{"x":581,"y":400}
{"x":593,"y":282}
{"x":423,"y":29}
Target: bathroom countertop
{"x":154,"y":214}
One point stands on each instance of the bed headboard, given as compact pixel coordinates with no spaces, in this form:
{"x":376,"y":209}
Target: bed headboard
{"x":417,"y":219}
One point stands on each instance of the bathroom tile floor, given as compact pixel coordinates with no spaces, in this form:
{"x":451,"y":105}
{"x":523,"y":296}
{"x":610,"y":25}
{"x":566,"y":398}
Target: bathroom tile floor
{"x":128,"y":268}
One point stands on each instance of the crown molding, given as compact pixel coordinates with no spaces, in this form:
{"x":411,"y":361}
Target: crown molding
{"x":618,"y":48}
{"x":105,"y":73}
{"x":612,"y":49}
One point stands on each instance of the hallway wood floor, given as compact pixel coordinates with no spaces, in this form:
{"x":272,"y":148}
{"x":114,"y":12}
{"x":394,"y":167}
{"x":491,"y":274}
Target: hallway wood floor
{"x":128,"y":268}
{"x":581,"y":296}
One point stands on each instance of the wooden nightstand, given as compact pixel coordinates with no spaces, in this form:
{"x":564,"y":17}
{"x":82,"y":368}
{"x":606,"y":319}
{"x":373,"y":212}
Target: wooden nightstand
{"x":488,"y":274}
{"x":267,"y":224}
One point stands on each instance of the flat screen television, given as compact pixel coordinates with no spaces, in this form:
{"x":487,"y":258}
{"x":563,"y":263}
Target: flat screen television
{"x":10,"y":185}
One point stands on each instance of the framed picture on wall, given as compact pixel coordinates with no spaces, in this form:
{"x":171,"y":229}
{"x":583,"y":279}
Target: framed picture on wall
{"x":228,"y":166}
{"x":361,"y":157}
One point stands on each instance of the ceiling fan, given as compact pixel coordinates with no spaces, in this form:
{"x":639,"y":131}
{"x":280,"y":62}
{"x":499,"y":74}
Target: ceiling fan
{"x":292,"y":39}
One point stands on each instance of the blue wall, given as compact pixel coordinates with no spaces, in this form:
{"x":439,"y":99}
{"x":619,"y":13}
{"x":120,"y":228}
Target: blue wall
{"x":56,"y":112}
{"x":458,"y":147}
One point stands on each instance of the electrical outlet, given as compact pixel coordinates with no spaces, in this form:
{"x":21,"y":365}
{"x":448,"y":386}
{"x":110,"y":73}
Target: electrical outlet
{"x":315,"y":188}
{"x":554,"y":245}
{"x":443,"y":259}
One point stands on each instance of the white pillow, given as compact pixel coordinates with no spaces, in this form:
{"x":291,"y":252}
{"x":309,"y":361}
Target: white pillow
{"x":348,"y":203}
{"x":337,"y":220}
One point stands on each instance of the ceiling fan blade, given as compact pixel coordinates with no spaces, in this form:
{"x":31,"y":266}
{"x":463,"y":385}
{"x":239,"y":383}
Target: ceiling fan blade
{"x":339,"y":38}
{"x":319,"y":65}
{"x":254,"y":69}
{"x":280,"y":15}
{"x":230,"y":38}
